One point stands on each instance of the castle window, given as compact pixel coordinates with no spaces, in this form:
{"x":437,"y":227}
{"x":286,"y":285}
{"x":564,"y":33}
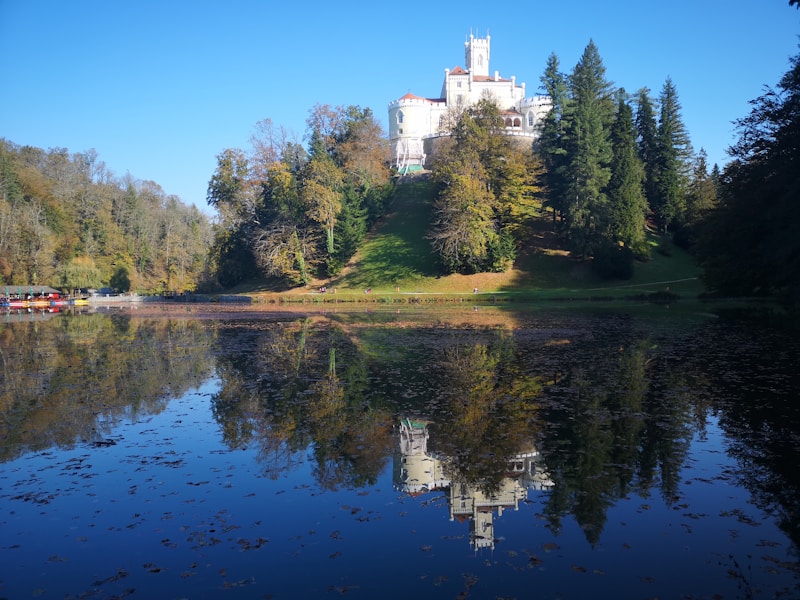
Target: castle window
{"x":400,"y":116}
{"x":516,"y":123}
{"x":530,"y":119}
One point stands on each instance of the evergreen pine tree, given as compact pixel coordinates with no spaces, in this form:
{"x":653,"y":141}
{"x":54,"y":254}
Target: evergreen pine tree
{"x":551,"y":144}
{"x":589,"y":152}
{"x":647,"y":130}
{"x":625,"y":192}
{"x":672,"y":163}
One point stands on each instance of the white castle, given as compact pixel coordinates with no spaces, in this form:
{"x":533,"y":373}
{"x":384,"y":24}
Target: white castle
{"x":415,"y":122}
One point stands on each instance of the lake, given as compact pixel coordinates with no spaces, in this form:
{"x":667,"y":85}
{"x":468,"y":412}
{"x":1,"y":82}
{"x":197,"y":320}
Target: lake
{"x":383,"y":452}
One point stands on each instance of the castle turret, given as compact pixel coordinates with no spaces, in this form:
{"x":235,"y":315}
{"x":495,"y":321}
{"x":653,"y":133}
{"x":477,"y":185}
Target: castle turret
{"x":476,"y":53}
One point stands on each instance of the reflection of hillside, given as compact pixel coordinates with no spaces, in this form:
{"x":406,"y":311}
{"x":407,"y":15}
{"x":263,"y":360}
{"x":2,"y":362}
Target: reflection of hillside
{"x":609,"y":412}
{"x":299,"y":385}
{"x":417,"y":472}
{"x":73,"y":378}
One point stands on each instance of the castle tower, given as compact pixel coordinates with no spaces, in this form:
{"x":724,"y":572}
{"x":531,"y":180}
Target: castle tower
{"x":476,"y":53}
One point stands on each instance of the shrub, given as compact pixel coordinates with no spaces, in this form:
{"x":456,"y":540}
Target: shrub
{"x":612,"y":261}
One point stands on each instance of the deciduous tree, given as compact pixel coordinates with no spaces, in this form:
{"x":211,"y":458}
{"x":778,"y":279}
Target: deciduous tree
{"x":750,"y":245}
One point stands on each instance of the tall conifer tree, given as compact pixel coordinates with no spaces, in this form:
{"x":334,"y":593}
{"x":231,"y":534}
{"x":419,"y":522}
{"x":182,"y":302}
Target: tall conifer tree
{"x":551,"y":143}
{"x":625,"y":191}
{"x":647,"y":129}
{"x":673,"y":161}
{"x":589,"y":147}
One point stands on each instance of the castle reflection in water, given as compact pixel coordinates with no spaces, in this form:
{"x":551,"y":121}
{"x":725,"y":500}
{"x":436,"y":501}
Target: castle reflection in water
{"x":418,"y":472}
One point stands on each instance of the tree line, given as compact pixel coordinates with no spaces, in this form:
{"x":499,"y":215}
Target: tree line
{"x":295,"y":212}
{"x":615,"y":170}
{"x":618,"y":170}
{"x":66,"y":221}
{"x":750,"y":244}
{"x":618,"y":165}
{"x":608,"y":173}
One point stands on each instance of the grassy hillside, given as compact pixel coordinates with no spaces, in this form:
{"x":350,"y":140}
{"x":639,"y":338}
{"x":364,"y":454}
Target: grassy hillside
{"x":396,"y":259}
{"x":396,"y":253}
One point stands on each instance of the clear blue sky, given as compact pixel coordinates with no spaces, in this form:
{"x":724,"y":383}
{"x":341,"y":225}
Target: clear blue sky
{"x":159,"y":88}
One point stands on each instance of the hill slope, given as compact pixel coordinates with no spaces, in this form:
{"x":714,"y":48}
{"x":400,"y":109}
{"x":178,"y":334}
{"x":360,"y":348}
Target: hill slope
{"x":396,"y":258}
{"x":397,"y":255}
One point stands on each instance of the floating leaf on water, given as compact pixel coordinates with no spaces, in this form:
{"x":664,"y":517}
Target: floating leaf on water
{"x":550,"y":546}
{"x":578,"y":568}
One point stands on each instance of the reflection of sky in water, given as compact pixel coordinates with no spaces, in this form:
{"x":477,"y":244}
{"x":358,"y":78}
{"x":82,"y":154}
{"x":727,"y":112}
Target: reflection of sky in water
{"x":160,"y":504}
{"x":169,"y":511}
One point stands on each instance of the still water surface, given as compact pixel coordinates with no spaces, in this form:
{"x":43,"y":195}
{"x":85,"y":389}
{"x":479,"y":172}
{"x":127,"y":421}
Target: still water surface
{"x":477,"y":453}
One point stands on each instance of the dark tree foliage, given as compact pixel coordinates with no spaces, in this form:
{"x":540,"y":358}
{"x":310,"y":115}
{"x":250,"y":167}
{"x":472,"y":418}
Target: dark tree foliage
{"x":647,"y":129}
{"x":589,"y":153}
{"x":120,"y":280}
{"x":625,"y":192}
{"x":672,"y":160}
{"x":751,"y":246}
{"x":551,"y":144}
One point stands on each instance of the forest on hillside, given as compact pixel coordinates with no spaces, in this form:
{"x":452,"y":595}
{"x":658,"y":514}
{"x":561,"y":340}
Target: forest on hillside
{"x":613,"y":170}
{"x":68,"y":222}
{"x":611,"y":167}
{"x":616,"y":171}
{"x":295,"y":213}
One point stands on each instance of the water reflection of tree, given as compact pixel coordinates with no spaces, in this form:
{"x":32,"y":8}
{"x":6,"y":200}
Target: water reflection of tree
{"x":611,"y":409}
{"x":618,"y":420}
{"x":486,"y":409}
{"x":72,"y":378}
{"x":755,"y":382}
{"x":294,"y":386}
